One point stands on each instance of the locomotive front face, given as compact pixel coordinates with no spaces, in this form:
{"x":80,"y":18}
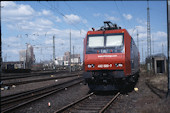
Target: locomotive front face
{"x":110,"y":58}
{"x":104,"y":60}
{"x":105,"y":52}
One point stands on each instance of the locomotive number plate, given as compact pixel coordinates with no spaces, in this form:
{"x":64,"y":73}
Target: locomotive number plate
{"x":104,"y":65}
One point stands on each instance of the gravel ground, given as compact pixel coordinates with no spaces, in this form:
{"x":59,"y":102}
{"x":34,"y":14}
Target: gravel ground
{"x":30,"y":86}
{"x":141,"y":101}
{"x":57,"y":100}
{"x":159,"y":81}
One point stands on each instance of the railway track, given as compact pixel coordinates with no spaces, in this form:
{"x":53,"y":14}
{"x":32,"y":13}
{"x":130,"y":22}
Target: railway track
{"x":89,"y":104}
{"x":36,"y":80}
{"x":16,"y":76}
{"x":160,"y":93}
{"x":14,"y":101}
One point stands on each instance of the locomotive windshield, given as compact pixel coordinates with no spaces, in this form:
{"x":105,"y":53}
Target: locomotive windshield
{"x":97,"y":41}
{"x":114,"y":40}
{"x":105,"y":44}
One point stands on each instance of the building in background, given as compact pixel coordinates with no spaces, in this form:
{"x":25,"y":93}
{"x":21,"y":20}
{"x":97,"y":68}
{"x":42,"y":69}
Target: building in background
{"x":13,"y":65}
{"x":22,"y":55}
{"x":27,"y":56}
{"x":59,"y":61}
{"x":66,"y":58}
{"x":75,"y":59}
{"x":30,"y":57}
{"x":159,"y":62}
{"x":26,"y":59}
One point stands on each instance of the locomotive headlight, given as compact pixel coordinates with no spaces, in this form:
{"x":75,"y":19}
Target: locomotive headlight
{"x":119,"y":65}
{"x":89,"y":66}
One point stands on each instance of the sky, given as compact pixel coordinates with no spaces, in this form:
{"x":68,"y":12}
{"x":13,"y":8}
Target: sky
{"x":36,"y":22}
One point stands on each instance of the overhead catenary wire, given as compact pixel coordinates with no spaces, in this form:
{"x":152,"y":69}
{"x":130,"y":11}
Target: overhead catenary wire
{"x":63,"y":16}
{"x":120,"y":13}
{"x":75,"y":13}
{"x":23,"y":35}
{"x":99,"y":17}
{"x":129,"y":22}
{"x":59,"y":12}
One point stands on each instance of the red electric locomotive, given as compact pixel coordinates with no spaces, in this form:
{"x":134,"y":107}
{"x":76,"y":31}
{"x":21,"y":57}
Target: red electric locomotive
{"x":111,"y":58}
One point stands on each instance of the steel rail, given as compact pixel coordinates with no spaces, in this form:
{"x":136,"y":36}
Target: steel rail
{"x":73,"y":103}
{"x":5,"y":99}
{"x":38,"y":80}
{"x":65,"y":108}
{"x":109,"y":103}
{"x":4,"y":77}
{"x":31,"y":73}
{"x":39,"y":96}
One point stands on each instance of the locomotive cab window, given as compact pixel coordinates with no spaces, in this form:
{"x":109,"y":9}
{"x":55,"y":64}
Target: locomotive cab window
{"x":114,"y":40}
{"x":96,"y":41}
{"x":108,"y":43}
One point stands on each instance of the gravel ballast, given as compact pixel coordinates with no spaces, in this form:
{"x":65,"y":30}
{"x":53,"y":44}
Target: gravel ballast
{"x":57,"y":100}
{"x":30,"y":86}
{"x":143,"y":100}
